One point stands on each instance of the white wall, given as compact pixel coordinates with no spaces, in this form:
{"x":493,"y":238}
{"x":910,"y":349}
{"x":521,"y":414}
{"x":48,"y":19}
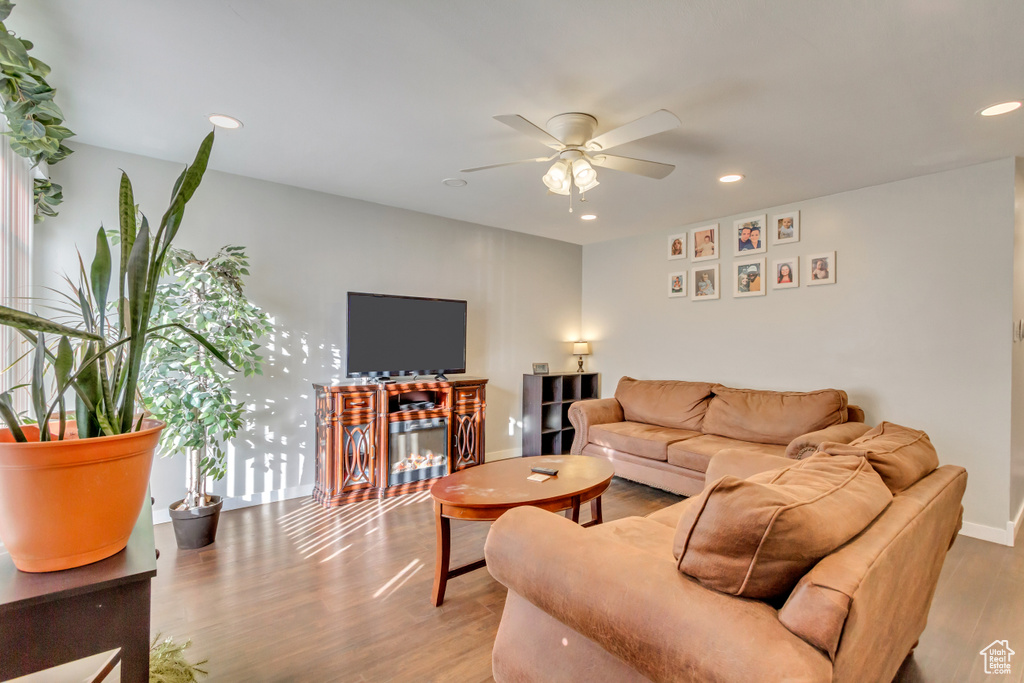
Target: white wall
{"x":307,"y":251}
{"x":917,"y":328}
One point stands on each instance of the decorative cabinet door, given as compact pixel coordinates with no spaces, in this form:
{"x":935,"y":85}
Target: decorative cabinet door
{"x":345,"y":444}
{"x":358,"y":441}
{"x":468,"y":427}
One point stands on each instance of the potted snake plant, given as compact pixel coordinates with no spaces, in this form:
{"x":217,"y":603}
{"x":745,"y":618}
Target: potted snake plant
{"x":71,"y":490}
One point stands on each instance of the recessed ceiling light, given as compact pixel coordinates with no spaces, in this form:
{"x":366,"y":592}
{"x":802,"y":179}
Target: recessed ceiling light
{"x":732,"y":178}
{"x":588,"y":217}
{"x":454,"y":182}
{"x":224,"y":121}
{"x":1001,"y":108}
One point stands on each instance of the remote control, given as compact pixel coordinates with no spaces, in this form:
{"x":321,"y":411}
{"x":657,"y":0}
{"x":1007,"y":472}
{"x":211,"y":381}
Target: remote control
{"x":544,"y":470}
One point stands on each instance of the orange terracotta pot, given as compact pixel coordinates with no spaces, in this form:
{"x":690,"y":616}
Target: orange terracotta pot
{"x":69,"y":503}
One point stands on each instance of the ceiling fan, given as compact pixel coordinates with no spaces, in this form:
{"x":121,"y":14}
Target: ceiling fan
{"x":578,"y":150}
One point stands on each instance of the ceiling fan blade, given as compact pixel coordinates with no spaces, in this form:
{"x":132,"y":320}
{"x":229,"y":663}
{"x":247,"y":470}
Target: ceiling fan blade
{"x":530,"y":129}
{"x":510,"y":163}
{"x":651,"y":169}
{"x":643,"y":127}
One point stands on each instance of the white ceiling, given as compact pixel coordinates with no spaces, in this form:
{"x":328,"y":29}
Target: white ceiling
{"x":382,"y":99}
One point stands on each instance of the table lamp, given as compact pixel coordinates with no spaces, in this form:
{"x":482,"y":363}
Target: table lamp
{"x":580,"y":348}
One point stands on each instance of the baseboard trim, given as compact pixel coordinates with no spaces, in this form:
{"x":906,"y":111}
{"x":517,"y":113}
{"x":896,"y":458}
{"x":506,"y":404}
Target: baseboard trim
{"x":991,"y":534}
{"x":162,"y":516}
{"x":491,"y":456}
{"x":1013,"y":528}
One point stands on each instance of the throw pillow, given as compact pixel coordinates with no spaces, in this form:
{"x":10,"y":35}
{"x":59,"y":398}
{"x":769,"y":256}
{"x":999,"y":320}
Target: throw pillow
{"x":756,"y":537}
{"x":900,"y":455}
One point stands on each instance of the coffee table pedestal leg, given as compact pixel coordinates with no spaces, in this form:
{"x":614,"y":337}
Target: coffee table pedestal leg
{"x":444,"y":548}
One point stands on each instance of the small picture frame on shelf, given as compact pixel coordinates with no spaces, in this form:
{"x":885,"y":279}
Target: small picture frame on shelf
{"x":677,"y":284}
{"x":751,"y":237}
{"x":540,"y":368}
{"x":749,"y":278}
{"x":705,"y":283}
{"x":823,"y":268}
{"x":677,"y":246}
{"x":786,"y":228}
{"x":705,"y":243}
{"x":786,"y":273}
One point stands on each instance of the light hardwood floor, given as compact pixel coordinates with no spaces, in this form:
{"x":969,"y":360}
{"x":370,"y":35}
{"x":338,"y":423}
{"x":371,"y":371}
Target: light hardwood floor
{"x":292,"y":592}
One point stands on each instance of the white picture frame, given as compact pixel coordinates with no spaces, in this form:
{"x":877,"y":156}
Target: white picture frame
{"x":699,"y":245}
{"x":793,"y":274}
{"x":711,"y":288}
{"x":748,"y":278}
{"x":676,"y":246}
{"x":788,"y":224}
{"x":677,"y":284}
{"x":751,"y":223}
{"x":828,"y":258}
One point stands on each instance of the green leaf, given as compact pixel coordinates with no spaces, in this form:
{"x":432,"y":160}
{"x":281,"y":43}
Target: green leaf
{"x":21,"y":320}
{"x":10,"y":417}
{"x":13,"y":52}
{"x":49,"y":109}
{"x":38,"y":390}
{"x":5,"y":9}
{"x":100,"y":275}
{"x":64,"y":363}
{"x":138,"y":264}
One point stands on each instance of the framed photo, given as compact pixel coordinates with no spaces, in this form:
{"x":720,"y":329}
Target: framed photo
{"x":823,"y":268}
{"x":786,"y":228}
{"x":705,"y":243}
{"x":705,"y":283}
{"x":749,"y":278}
{"x":751,"y":237}
{"x":786,"y":273}
{"x":677,"y":246}
{"x":677,"y":284}
{"x":540,"y":368}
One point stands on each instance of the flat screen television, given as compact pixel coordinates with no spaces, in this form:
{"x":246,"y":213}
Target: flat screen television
{"x":403,"y":335}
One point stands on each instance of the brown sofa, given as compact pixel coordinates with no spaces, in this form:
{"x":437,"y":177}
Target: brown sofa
{"x":612,"y":602}
{"x":663,"y":433}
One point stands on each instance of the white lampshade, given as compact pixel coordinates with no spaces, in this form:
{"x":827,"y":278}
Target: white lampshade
{"x":557,"y":177}
{"x":583,"y":173}
{"x":581,"y":348}
{"x":584,"y":188}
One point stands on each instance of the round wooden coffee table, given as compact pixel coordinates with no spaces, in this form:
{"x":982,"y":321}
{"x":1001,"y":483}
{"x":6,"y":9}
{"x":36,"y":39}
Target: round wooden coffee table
{"x":486,"y":492}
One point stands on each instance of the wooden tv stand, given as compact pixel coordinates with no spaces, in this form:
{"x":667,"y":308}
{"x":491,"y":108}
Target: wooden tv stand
{"x":355,"y":423}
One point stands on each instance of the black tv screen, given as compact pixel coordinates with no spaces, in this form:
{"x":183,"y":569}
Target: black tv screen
{"x":390,"y":335}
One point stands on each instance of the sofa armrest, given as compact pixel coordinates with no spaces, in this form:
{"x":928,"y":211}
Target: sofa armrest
{"x":585,"y":414}
{"x":640,"y":608}
{"x":741,"y":463}
{"x":805,"y":444}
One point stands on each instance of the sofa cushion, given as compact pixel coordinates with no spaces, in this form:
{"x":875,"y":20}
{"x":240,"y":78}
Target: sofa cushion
{"x":667,"y":403}
{"x":669,"y":516}
{"x":645,"y":440}
{"x":640,"y":533}
{"x":775,"y":417}
{"x":756,"y":537}
{"x":696,"y":453}
{"x":902,"y":456}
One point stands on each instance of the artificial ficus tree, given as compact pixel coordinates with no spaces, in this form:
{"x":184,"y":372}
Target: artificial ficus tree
{"x":187,"y":387}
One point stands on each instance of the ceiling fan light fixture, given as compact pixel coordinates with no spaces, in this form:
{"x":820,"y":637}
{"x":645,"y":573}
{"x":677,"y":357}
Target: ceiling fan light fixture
{"x":557,"y":176}
{"x":589,"y":186}
{"x":583,"y":173}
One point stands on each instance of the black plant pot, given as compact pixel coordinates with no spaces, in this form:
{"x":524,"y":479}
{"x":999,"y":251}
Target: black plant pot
{"x":196,"y":527}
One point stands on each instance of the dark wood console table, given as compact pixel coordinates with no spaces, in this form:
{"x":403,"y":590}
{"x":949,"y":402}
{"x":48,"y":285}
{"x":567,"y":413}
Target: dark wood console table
{"x":58,"y":617}
{"x":356,"y":424}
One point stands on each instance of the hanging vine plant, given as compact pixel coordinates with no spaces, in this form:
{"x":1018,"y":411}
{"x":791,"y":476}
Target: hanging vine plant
{"x":35,"y":121}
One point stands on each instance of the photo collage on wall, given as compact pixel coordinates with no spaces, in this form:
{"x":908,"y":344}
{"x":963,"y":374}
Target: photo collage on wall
{"x":749,"y":275}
